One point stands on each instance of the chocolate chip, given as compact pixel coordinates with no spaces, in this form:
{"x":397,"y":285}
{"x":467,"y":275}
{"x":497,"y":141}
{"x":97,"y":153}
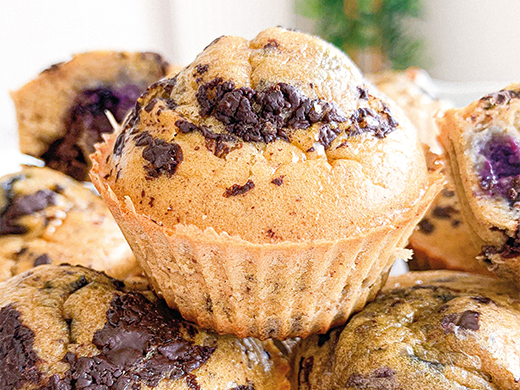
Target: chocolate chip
{"x":366,"y":120}
{"x":19,"y":206}
{"x":201,"y":69}
{"x":444,"y":212}
{"x":163,"y":157}
{"x":191,"y":382}
{"x":261,"y":116}
{"x":383,"y":378}
{"x":327,"y":135}
{"x":426,"y":226}
{"x":278,"y":181}
{"x":237,"y":189}
{"x":141,"y":343}
{"x":41,"y":260}
{"x":244,"y":387}
{"x":499,"y":98}
{"x":17,"y":357}
{"x":363,"y":93}
{"x":468,"y":320}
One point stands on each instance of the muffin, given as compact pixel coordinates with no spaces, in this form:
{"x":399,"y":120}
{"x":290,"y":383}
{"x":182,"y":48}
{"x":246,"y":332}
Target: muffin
{"x":62,"y":113}
{"x":482,"y":142}
{"x":412,"y":90}
{"x":426,"y":330}
{"x":48,"y":218}
{"x":266,"y":189}
{"x":442,"y":240}
{"x":69,"y":327}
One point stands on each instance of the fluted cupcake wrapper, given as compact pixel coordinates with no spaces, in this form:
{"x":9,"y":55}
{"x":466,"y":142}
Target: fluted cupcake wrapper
{"x":283,"y":290}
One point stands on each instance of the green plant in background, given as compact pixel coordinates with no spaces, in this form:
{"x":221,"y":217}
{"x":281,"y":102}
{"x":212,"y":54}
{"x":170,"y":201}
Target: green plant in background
{"x":367,"y":26}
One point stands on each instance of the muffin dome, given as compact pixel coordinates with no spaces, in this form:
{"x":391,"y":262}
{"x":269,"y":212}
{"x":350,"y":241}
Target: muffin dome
{"x":266,"y":190}
{"x":426,"y":330}
{"x":47,"y":217}
{"x":271,"y":140}
{"x":74,"y":328}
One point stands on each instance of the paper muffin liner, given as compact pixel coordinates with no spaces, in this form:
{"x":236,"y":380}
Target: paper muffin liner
{"x":283,"y":290}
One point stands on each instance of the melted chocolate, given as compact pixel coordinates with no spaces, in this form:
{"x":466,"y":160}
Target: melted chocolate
{"x":17,"y":357}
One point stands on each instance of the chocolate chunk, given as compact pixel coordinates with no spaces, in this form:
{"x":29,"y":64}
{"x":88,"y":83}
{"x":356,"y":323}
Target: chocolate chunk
{"x":119,"y":145}
{"x":53,"y":67}
{"x":23,"y":205}
{"x":163,"y":157}
{"x":201,"y":69}
{"x":85,"y":123}
{"x":278,"y":180}
{"x":499,"y":98}
{"x":17,"y":357}
{"x":327,"y":135}
{"x":444,"y":212}
{"x":363,"y":93}
{"x":366,"y":120}
{"x":426,"y":226}
{"x":467,"y":320}
{"x":191,"y":381}
{"x":261,"y":116}
{"x":383,"y":378}
{"x":237,"y":189}
{"x":41,"y":260}
{"x":141,"y":343}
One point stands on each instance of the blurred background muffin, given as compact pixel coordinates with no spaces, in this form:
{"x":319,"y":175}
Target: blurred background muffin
{"x":47,"y":217}
{"x":66,"y":109}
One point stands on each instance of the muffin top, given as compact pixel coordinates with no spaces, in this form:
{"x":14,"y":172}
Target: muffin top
{"x":65,"y":327}
{"x":48,"y":218}
{"x":426,"y":330}
{"x":271,"y":140}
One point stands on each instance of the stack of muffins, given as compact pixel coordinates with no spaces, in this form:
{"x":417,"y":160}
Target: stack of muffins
{"x":265,"y":190}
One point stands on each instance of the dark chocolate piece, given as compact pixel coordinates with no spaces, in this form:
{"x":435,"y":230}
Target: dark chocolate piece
{"x":41,"y":260}
{"x":366,"y":120}
{"x":444,"y":212}
{"x":468,"y":320}
{"x":426,"y":226}
{"x":261,"y":116}
{"x":499,"y":98}
{"x":17,"y":357}
{"x":163,"y":157}
{"x":278,"y":180}
{"x":19,"y":206}
{"x":237,"y":189}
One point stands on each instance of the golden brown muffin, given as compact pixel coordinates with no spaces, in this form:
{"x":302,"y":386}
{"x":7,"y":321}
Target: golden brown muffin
{"x":412,"y":91}
{"x":482,"y":142}
{"x":266,"y":189}
{"x":65,"y":327}
{"x":48,"y":218}
{"x":427,"y":330}
{"x":61,"y":113}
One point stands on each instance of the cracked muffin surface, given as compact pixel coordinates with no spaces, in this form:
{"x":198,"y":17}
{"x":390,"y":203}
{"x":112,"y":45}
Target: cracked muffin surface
{"x":62,"y":113}
{"x":275,"y":139}
{"x":425,"y":330}
{"x":66,"y":327}
{"x":47,"y":217}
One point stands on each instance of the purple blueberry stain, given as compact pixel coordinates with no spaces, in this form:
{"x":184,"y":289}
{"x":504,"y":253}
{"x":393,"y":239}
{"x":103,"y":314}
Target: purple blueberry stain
{"x":499,"y":173}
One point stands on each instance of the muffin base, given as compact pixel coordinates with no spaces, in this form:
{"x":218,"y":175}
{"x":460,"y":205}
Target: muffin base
{"x":282,"y":290}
